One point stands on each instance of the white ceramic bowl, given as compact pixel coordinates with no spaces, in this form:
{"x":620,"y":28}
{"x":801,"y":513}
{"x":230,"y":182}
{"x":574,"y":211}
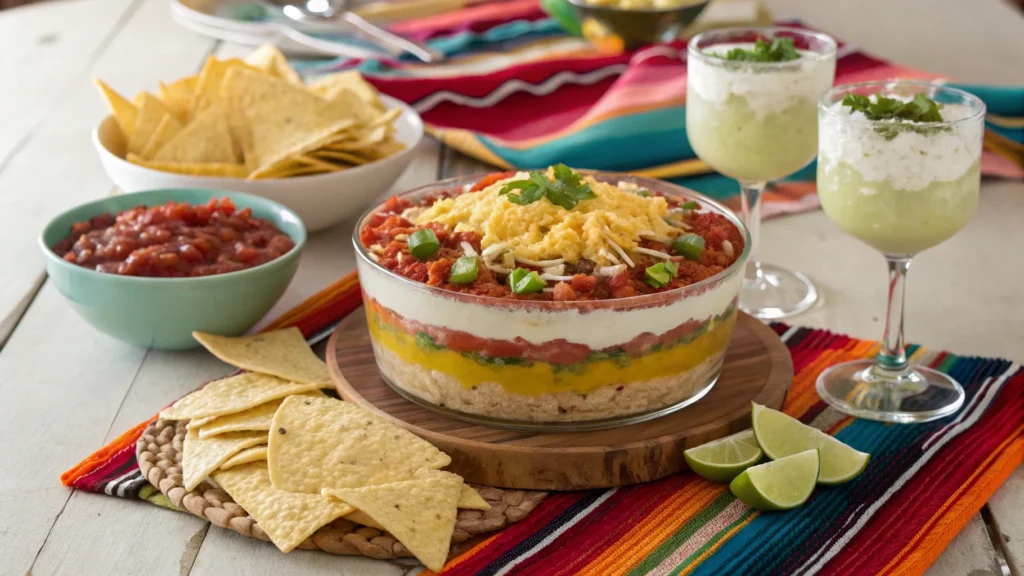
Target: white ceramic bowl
{"x":321,"y":201}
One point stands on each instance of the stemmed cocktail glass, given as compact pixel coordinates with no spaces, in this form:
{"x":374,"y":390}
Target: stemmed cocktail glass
{"x":899,"y":166}
{"x":755,"y":119}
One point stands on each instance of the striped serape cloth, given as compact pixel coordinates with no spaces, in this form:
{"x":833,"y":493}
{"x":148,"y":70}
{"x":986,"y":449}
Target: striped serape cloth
{"x":520,"y":92}
{"x":924,"y":483}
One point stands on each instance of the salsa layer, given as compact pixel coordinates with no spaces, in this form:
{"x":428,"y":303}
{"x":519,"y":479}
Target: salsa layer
{"x":174,"y":240}
{"x":555,"y":352}
{"x":530,"y":378}
{"x":388,"y":232}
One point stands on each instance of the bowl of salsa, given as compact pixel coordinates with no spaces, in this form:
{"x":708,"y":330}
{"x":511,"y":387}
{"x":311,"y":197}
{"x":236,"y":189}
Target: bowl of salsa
{"x":149,"y":268}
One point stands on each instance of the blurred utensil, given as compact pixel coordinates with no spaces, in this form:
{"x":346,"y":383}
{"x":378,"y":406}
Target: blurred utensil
{"x":327,"y":11}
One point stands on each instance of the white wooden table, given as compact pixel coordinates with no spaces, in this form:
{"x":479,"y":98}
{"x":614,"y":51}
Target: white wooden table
{"x":66,"y":389}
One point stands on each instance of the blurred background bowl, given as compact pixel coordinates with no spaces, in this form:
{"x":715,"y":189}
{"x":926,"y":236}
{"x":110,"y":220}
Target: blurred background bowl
{"x":163,"y":312}
{"x":614,"y":29}
{"x":321,"y":201}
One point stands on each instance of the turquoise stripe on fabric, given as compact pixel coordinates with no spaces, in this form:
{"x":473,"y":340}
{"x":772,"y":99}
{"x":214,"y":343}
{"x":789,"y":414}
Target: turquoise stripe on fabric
{"x":788,"y":534}
{"x":1000,"y":100}
{"x":622,"y":143}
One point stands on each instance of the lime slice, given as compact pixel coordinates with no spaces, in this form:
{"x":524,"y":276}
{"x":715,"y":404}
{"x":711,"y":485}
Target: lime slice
{"x":722,"y":460}
{"x":782,"y":484}
{"x":780,"y":435}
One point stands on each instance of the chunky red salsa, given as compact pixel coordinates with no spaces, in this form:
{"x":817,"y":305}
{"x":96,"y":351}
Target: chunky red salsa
{"x":386,"y":233}
{"x":174,"y":240}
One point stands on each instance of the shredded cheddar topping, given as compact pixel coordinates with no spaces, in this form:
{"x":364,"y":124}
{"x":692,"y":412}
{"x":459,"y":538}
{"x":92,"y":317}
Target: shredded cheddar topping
{"x":602,"y":229}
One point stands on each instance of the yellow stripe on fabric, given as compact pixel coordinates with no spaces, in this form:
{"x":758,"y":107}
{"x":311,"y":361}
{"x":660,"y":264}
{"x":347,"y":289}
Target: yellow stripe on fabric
{"x":649,"y":533}
{"x":691,"y":167}
{"x":922,"y":550}
{"x":1004,"y":121}
{"x":725,"y":538}
{"x":468,"y":143}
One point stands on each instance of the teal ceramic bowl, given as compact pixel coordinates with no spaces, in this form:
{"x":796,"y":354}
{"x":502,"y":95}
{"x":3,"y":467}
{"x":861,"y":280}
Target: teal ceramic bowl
{"x":162,"y":312}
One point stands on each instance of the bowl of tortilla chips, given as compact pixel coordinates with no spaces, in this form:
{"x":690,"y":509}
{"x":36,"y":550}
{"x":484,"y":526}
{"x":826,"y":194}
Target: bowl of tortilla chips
{"x":324,"y":149}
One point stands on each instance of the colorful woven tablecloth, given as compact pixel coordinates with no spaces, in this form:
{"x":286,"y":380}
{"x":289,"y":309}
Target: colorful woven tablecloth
{"x":518,"y":91}
{"x":924,"y":483}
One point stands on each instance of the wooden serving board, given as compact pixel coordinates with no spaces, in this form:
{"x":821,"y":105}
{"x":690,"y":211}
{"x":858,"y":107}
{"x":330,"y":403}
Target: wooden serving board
{"x":757,"y":368}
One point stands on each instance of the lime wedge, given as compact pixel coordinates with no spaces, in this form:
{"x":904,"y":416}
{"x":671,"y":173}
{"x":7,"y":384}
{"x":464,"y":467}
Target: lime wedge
{"x":782,"y":484}
{"x":780,"y":435}
{"x":723,"y":459}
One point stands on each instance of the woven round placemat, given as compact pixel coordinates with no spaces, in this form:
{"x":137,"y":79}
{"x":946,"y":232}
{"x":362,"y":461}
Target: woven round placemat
{"x":159,"y":454}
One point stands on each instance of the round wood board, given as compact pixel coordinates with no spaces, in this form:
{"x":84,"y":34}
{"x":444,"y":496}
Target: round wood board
{"x":757,"y":368}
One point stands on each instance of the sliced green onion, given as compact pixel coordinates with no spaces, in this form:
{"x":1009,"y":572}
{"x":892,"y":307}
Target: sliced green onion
{"x":525,"y":281}
{"x":644,"y":192}
{"x":689,"y":205}
{"x":423,"y":243}
{"x":660,"y":274}
{"x":689,"y":246}
{"x":464,"y":270}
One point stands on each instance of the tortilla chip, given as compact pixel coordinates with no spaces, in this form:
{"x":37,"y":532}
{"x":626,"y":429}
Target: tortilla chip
{"x":387,"y":117}
{"x":420,"y":513}
{"x":124,"y":111}
{"x":287,"y":518}
{"x":253,"y":419}
{"x":251,"y":454}
{"x":232,"y":395}
{"x":360,"y":517}
{"x":318,"y":163}
{"x":269,"y":59}
{"x":353,"y":159}
{"x":218,"y":169}
{"x":367,"y":139}
{"x":178,"y":95}
{"x":471,"y":499}
{"x":207,"y":139}
{"x":279,"y":120}
{"x":283,"y":353}
{"x":318,"y":443}
{"x":200,"y":457}
{"x":151,"y":112}
{"x":468,"y":497}
{"x":210,"y":81}
{"x":330,"y":86}
{"x":167,"y":129}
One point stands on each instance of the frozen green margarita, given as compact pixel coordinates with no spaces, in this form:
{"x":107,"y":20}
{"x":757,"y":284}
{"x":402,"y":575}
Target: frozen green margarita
{"x":752,"y":121}
{"x":899,"y":185}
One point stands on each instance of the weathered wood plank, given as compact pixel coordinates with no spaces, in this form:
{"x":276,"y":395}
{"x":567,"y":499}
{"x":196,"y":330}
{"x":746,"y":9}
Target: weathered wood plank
{"x":1007,"y":508}
{"x":60,"y":386}
{"x":42,"y":56}
{"x":970,"y":553}
{"x":226,"y":553}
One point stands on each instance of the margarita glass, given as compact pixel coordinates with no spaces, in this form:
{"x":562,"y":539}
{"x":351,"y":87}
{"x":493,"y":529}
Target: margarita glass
{"x":900,"y":186}
{"x":757,"y":121}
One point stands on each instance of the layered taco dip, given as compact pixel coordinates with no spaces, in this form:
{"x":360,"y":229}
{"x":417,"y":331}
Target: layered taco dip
{"x":551,"y":296}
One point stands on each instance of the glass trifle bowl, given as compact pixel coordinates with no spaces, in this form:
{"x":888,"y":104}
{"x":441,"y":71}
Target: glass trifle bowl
{"x":536,"y":361}
{"x":755,"y":121}
{"x":899,"y":167}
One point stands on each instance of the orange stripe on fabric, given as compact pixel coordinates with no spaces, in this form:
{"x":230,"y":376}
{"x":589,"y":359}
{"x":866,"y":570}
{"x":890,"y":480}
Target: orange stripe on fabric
{"x":100,"y":456}
{"x":725,"y":538}
{"x":647,"y":535}
{"x":957,"y":511}
{"x":463,"y":557}
{"x":339,"y":287}
{"x":802,"y":393}
{"x":467,"y":142}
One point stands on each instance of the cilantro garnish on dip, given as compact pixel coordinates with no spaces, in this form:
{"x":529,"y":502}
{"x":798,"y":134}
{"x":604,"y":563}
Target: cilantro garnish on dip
{"x":778,"y":50}
{"x":566,"y":190}
{"x":902,"y":113}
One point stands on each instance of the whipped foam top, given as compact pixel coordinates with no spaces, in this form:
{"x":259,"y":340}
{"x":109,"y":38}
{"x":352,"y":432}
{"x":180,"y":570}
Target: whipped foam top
{"x":767,"y":89}
{"x":910,"y":161}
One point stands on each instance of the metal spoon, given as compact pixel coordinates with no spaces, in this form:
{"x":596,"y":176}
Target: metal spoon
{"x":324,"y":11}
